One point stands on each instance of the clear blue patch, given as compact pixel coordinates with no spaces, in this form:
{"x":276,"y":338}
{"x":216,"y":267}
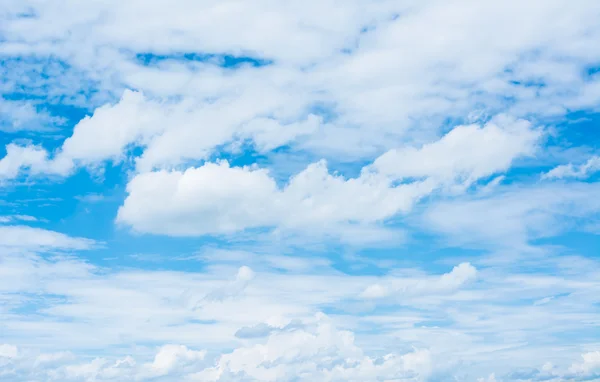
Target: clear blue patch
{"x":591,"y":71}
{"x":580,"y":129}
{"x":32,"y":303}
{"x":222,"y":60}
{"x":325,"y":110}
{"x":576,"y":242}
{"x":528,"y":83}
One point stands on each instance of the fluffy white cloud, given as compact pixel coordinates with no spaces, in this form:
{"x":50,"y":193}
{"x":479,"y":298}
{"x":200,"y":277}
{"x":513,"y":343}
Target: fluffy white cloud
{"x":21,"y":157}
{"x":376,"y":86}
{"x":477,"y":48}
{"x":99,"y":369}
{"x":218,"y":198}
{"x":169,"y":132}
{"x":211,"y":198}
{"x":401,"y":288}
{"x":590,"y":364}
{"x":174,"y":357}
{"x":90,"y":310}
{"x":171,"y":85}
{"x":465,"y":154}
{"x":33,"y":160}
{"x":582,"y":171}
{"x":108,"y":132}
{"x":314,"y":352}
{"x":586,"y":370}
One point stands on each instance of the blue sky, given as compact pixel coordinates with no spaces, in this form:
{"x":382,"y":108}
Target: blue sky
{"x":299,"y":191}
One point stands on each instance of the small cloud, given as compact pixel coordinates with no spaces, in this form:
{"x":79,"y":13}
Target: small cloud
{"x":375,"y":291}
{"x":170,"y":357}
{"x":25,"y":237}
{"x":245,"y":274}
{"x":8,"y":351}
{"x":12,"y":218}
{"x":256,"y":331}
{"x":543,"y":301}
{"x":460,"y":275}
{"x":581,"y":171}
{"x":91,"y":198}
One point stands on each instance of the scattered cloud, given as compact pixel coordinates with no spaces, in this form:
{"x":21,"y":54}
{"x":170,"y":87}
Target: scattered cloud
{"x":299,"y":190}
{"x":16,"y":116}
{"x":13,"y":218}
{"x":25,"y":237}
{"x":400,"y":288}
{"x":513,"y":217}
{"x":217,"y":198}
{"x":581,"y":171}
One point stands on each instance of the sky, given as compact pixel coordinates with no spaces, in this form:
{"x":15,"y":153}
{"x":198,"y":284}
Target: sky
{"x":299,"y":190}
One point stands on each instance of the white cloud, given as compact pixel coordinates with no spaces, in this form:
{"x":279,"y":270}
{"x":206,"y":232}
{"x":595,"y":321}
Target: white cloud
{"x":18,"y":116}
{"x":107,"y":134}
{"x":12,"y":218}
{"x":351,"y":82}
{"x":582,"y":171}
{"x":407,"y":287}
{"x":513,"y":216}
{"x":589,"y":366}
{"x":57,"y":358}
{"x":25,"y":237}
{"x":97,"y":369}
{"x":268,"y":134}
{"x":172,"y":357}
{"x":218,"y":198}
{"x":465,"y":154}
{"x":381,"y":87}
{"x":170,"y":133}
{"x":75,"y":307}
{"x":211,"y":198}
{"x":315,"y":352}
{"x":460,"y":274}
{"x":31,"y":159}
{"x":490,"y":378}
{"x":586,"y":370}
{"x":8,"y":351}
{"x":21,"y":157}
{"x":375,"y":291}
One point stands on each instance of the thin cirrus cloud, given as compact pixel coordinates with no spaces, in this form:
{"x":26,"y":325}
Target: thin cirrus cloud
{"x":25,"y":237}
{"x":299,"y":190}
